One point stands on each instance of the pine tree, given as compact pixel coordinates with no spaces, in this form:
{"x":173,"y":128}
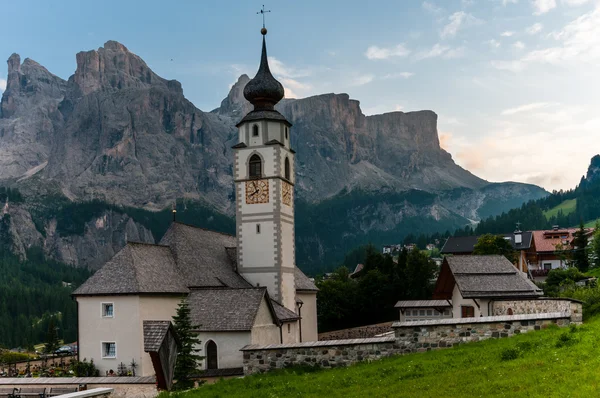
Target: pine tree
{"x":596,"y":245}
{"x":580,"y":251}
{"x":51,"y":338}
{"x":187,"y":360}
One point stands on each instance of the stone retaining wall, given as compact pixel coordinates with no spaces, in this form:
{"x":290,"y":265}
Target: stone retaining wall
{"x":326,"y":354}
{"x":429,"y":335}
{"x":539,"y":306}
{"x":360,"y":332}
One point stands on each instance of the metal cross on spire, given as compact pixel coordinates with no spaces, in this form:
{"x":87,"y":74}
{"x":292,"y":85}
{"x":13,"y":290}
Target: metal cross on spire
{"x":263,"y":12}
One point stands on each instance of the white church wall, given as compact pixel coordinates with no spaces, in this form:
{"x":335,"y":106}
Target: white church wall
{"x":288,"y":289}
{"x":123,"y":328}
{"x":154,"y":308}
{"x":264,"y":330}
{"x":309,"y":315}
{"x":228,"y":347}
{"x":289,"y":332}
{"x":254,"y":244}
{"x":480,"y":308}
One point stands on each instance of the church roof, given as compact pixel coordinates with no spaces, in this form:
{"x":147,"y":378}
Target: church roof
{"x":283,"y":314}
{"x":187,"y":258}
{"x":137,"y":268}
{"x":303,"y":283}
{"x":202,"y":256}
{"x":222,"y":310}
{"x":263,"y":91}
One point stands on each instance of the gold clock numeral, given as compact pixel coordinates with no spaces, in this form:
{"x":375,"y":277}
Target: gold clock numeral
{"x":257,"y":191}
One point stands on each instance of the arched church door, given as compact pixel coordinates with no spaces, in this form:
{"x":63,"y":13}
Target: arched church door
{"x":211,"y":355}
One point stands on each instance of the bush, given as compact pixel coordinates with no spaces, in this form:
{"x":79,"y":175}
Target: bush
{"x":565,"y":339}
{"x":510,"y":353}
{"x":85,"y":368}
{"x":12,"y":357}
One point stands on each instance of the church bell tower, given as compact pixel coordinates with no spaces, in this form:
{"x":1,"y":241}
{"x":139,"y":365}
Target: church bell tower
{"x":264,"y":186}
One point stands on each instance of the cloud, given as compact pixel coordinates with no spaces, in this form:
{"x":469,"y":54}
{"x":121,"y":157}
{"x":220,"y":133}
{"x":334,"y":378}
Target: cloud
{"x":493,"y":43}
{"x":575,"y":3}
{"x":429,"y":6}
{"x":508,"y":33}
{"x":543,"y":6}
{"x":519,"y":45}
{"x":534,"y":29}
{"x":294,"y":88}
{"x":445,"y":139}
{"x":456,"y":21}
{"x":280,"y":69}
{"x":361,"y":80}
{"x":577,"y":43}
{"x":526,"y":108}
{"x":467,"y":3}
{"x":404,"y":75}
{"x":505,"y":2}
{"x":439,"y":50}
{"x":375,"y":52}
{"x":398,"y":108}
{"x":2,"y":85}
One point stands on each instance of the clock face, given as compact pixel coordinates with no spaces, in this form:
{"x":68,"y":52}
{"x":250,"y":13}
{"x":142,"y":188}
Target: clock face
{"x":257,"y":191}
{"x":286,"y":193}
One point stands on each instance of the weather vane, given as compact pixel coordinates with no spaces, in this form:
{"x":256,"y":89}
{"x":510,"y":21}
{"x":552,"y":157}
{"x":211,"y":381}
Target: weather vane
{"x":263,"y":12}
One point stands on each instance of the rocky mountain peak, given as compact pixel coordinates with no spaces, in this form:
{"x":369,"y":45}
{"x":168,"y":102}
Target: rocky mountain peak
{"x":113,"y":67}
{"x":593,"y":172}
{"x":235,"y":105}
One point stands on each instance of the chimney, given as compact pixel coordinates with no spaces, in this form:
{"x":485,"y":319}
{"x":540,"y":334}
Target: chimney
{"x":555,"y":227}
{"x":518,"y":234}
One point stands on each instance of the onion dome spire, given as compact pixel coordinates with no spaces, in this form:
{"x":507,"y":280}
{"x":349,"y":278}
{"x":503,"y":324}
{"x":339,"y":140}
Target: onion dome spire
{"x":263,"y":91}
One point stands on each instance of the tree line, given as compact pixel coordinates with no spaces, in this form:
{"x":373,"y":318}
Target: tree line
{"x":370,"y":296}
{"x":33,"y":294}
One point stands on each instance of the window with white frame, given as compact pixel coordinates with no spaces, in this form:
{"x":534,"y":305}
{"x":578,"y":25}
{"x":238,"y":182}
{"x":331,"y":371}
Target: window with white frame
{"x":108,"y":310}
{"x":109,"y":349}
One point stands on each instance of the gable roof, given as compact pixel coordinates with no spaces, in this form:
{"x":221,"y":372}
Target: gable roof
{"x":154,"y":334}
{"x":137,"y":268}
{"x":491,"y":276}
{"x":466,"y":244}
{"x":225,"y":309}
{"x":282,"y":313}
{"x":544,"y":241}
{"x":202,"y":257}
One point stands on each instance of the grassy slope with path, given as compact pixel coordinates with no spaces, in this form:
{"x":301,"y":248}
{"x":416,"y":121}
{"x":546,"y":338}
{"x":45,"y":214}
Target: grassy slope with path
{"x":567,"y":207}
{"x":550,"y":363}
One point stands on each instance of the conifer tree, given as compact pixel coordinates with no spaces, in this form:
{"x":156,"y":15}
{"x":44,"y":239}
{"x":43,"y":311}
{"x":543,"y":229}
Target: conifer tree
{"x":51,"y":338}
{"x":596,"y":245}
{"x":580,"y":251}
{"x":187,"y":360}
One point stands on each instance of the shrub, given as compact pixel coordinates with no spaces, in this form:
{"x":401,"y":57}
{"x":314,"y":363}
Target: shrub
{"x":85,"y":368}
{"x":510,"y":353}
{"x":565,"y":339}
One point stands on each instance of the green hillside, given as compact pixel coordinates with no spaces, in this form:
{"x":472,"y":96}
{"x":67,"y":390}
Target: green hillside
{"x":549,"y":363}
{"x":567,"y":207}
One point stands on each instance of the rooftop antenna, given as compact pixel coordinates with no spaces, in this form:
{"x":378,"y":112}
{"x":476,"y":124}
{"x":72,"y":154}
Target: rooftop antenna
{"x":263,"y":12}
{"x":518,"y":226}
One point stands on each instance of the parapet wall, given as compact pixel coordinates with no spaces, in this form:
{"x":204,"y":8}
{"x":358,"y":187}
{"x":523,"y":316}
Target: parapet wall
{"x":445,"y":333}
{"x":325,"y":354}
{"x":539,"y":306}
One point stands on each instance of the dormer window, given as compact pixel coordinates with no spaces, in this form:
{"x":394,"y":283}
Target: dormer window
{"x":255,"y":165}
{"x":255,"y":131}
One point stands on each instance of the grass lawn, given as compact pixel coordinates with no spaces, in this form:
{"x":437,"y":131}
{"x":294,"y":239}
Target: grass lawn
{"x":567,"y":207}
{"x":549,"y":363}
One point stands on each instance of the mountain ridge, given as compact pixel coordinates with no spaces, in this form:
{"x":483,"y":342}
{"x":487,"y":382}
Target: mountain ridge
{"x":117,"y":132}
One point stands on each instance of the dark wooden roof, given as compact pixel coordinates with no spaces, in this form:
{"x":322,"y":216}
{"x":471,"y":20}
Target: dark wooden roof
{"x":492,"y":276}
{"x":154,"y":334}
{"x":283,"y":314}
{"x":466,"y":244}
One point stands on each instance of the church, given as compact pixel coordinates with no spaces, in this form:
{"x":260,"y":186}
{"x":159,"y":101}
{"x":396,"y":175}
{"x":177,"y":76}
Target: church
{"x":243,"y":289}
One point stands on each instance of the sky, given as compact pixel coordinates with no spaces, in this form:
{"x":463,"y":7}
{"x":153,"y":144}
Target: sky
{"x":514,"y":82}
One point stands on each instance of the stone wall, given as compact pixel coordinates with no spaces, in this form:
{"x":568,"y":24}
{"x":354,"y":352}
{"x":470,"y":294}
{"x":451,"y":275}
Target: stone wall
{"x":119,"y":390}
{"x":539,"y":306}
{"x":326,"y":354}
{"x":429,"y":335}
{"x":360,"y":332}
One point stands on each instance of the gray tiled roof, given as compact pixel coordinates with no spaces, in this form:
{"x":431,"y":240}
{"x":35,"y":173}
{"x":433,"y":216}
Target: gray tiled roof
{"x":423,"y":303}
{"x":490,"y":276}
{"x":137,"y":268}
{"x":303,"y":282}
{"x":225,"y":309}
{"x":202,"y":258}
{"x":466,"y":244}
{"x":282,"y":313}
{"x":154,"y":334}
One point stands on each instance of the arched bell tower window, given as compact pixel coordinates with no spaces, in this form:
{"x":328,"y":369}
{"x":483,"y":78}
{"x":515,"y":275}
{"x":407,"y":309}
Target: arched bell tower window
{"x":255,"y":166}
{"x":287,"y":169}
{"x":211,"y":355}
{"x":255,"y":131}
